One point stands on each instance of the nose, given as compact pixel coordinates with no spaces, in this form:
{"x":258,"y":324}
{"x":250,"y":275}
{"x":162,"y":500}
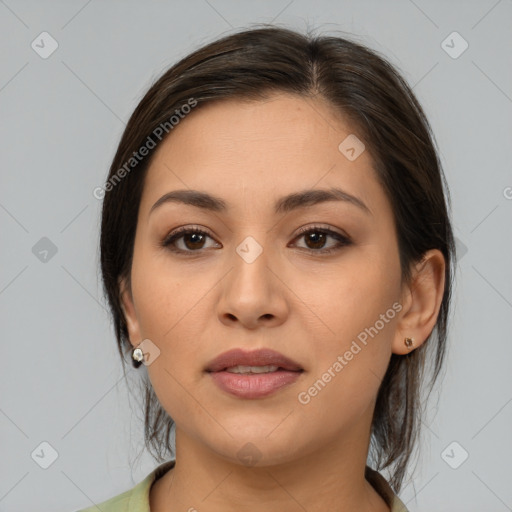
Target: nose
{"x":253,"y":294}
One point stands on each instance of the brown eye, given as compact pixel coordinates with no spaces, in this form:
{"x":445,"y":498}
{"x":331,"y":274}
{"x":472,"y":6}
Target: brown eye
{"x":316,"y":239}
{"x":192,"y":239}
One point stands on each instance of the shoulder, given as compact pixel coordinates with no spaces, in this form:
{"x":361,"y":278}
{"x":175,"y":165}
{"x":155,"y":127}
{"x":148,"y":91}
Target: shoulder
{"x":117,"y":503}
{"x":135,"y":499}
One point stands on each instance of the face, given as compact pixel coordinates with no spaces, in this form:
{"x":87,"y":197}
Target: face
{"x":317,"y":281}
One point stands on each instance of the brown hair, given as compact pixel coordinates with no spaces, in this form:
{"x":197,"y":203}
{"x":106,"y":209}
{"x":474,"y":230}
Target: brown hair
{"x":363,"y":87}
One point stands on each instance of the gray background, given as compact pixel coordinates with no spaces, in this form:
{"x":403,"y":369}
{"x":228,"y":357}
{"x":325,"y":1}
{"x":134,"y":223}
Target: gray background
{"x":62,"y":117}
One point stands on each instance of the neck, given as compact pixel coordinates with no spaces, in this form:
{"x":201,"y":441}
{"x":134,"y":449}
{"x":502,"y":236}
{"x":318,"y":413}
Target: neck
{"x":328,"y":479}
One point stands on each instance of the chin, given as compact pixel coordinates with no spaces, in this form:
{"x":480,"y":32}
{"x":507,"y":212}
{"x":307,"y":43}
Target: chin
{"x":261,"y":445}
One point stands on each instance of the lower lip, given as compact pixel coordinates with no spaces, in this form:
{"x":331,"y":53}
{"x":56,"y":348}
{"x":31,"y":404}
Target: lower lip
{"x":254,"y":385}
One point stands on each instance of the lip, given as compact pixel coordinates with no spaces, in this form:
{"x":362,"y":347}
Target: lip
{"x":260,"y":357}
{"x":255,"y":385}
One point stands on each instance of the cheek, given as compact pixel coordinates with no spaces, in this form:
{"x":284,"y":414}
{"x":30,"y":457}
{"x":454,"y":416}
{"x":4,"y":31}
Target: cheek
{"x":172,"y":309}
{"x":358,"y":308}
{"x":163,"y":297}
{"x":349,"y":367}
{"x":168,"y":311}
{"x":352,"y":295}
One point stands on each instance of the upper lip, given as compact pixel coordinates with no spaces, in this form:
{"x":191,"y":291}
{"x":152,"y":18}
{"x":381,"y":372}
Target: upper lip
{"x":260,"y":357}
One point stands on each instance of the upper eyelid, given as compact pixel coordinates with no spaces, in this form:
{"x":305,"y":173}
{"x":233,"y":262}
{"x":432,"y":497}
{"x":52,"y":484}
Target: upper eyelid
{"x":300,"y":230}
{"x":305,"y":229}
{"x":183,"y":230}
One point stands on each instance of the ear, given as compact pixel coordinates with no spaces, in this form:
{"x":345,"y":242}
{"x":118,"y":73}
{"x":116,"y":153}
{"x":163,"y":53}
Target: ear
{"x":421,"y":300}
{"x":130,"y":315}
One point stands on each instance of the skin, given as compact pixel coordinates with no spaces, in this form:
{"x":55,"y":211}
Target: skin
{"x":307,"y":305}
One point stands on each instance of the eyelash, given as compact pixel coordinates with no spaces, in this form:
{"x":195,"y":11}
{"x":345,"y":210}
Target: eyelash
{"x":343,"y":240}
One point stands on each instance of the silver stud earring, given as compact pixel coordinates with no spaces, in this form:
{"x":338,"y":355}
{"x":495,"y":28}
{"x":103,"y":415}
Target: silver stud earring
{"x":137,"y":357}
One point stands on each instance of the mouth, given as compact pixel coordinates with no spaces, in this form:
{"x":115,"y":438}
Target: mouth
{"x":248,"y":370}
{"x":255,"y":374}
{"x":242,"y":361}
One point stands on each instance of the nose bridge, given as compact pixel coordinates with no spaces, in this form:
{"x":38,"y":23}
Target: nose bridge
{"x":252,"y":291}
{"x":250,"y":273}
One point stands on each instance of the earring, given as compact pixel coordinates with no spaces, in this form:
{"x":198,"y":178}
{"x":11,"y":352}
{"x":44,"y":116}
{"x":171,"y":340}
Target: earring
{"x":137,"y":357}
{"x":409,"y":342}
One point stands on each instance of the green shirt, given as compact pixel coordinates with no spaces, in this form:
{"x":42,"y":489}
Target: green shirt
{"x":137,"y":498}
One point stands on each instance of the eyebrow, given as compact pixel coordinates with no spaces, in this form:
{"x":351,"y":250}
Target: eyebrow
{"x":284,"y":204}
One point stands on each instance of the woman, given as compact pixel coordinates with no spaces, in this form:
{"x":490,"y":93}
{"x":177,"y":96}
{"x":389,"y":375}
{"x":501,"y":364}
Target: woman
{"x":276,"y":249}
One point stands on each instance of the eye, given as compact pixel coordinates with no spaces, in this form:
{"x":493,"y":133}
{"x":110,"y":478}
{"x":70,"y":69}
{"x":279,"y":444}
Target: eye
{"x":192,"y":238}
{"x":316,"y":237}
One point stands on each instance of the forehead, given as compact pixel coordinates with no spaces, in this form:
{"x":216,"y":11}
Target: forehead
{"x":234,"y":125}
{"x":256,"y":150}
